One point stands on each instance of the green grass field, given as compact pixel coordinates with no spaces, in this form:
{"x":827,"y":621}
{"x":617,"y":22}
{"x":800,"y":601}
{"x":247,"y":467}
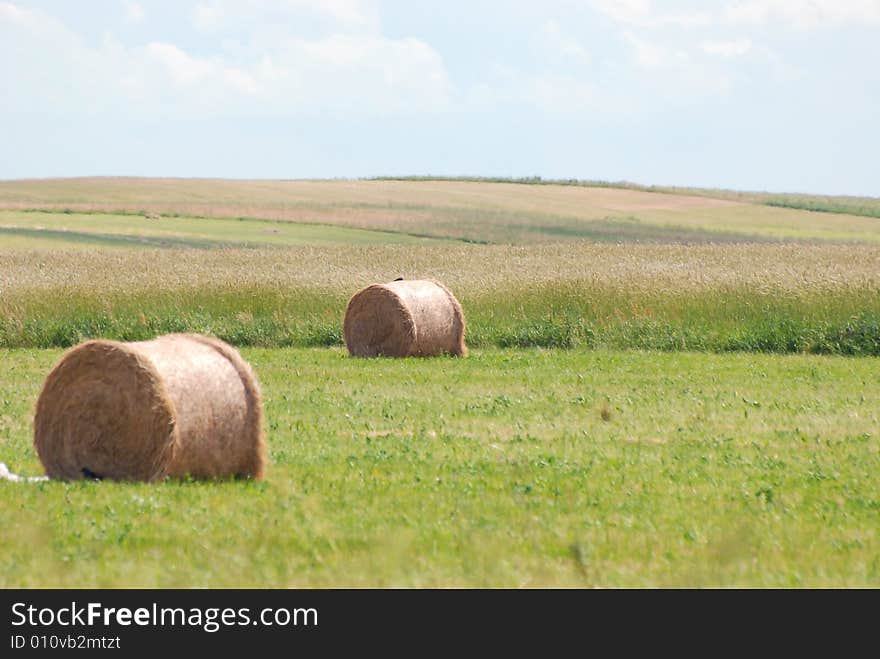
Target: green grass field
{"x":35,"y":230}
{"x":508,"y":468}
{"x":666,"y":387}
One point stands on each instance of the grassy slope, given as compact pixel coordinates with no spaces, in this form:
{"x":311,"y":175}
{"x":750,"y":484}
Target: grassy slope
{"x":847,"y":204}
{"x":497,"y":470}
{"x":477,"y":211}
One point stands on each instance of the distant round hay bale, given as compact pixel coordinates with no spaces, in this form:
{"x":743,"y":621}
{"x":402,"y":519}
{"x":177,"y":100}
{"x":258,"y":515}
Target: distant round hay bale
{"x":181,"y":405}
{"x":404,"y":319}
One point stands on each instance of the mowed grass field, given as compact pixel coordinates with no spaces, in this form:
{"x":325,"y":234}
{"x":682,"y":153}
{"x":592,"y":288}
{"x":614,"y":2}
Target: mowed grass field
{"x":664,"y":389}
{"x":509,"y":468}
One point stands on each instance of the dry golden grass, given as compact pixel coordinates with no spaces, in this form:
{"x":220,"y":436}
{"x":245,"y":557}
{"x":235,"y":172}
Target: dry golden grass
{"x":256,"y":193}
{"x":770,"y":297}
{"x":469,"y":269}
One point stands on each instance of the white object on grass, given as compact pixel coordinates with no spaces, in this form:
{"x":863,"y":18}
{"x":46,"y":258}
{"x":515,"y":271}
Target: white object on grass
{"x":7,"y":475}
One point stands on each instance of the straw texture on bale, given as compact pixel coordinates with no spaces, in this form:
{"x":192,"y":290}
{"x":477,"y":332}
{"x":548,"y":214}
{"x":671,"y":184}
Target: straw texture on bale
{"x":181,"y":405}
{"x":415,"y":318}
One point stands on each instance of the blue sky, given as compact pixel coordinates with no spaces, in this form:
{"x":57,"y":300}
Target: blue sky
{"x":780,"y":95}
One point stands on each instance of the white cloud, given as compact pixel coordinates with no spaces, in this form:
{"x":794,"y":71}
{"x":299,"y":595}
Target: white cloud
{"x":134,"y":11}
{"x":693,"y":50}
{"x":348,"y":15}
{"x":45,"y":64}
{"x":208,"y":17}
{"x":182,"y":69}
{"x":551,"y":40}
{"x":14,"y":15}
{"x":550,"y":92}
{"x":241,"y":81}
{"x":640,"y":13}
{"x":360,"y":72}
{"x":805,"y":14}
{"x":630,"y":12}
{"x":345,"y":75}
{"x":675,"y":73}
{"x":557,"y":82}
{"x":732,"y":48}
{"x":346,"y":11}
{"x":692,"y":19}
{"x":653,"y":56}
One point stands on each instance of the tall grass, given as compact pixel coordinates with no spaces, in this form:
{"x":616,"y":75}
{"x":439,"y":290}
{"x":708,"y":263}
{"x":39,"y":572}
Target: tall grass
{"x":764,"y":298}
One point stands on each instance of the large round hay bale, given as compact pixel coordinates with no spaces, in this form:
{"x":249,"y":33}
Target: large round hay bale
{"x":404,"y":319}
{"x":182,"y":405}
